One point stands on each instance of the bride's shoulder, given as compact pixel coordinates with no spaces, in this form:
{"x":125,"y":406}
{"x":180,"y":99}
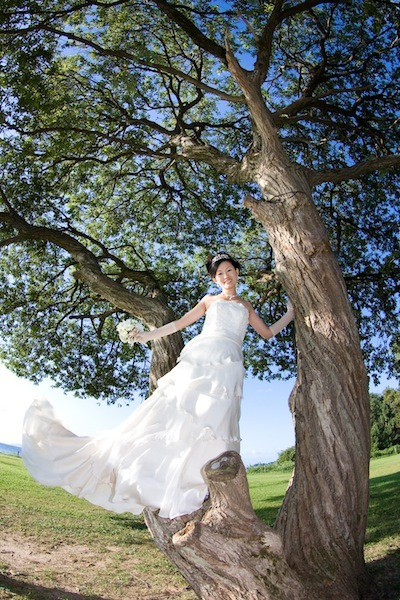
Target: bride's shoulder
{"x":247,"y":305}
{"x":209,"y":299}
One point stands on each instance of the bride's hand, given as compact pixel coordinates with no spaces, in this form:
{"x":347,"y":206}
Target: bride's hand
{"x":138,"y":336}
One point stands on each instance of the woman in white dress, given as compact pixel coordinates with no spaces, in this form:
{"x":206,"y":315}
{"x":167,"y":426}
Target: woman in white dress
{"x":154,"y":458}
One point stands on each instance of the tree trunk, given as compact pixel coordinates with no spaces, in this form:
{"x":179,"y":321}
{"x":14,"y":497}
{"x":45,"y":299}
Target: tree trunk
{"x":323,"y":518}
{"x":316,"y":548}
{"x":165,"y":352}
{"x":224,"y":550}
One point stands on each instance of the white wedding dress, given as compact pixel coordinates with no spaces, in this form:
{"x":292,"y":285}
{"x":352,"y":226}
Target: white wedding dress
{"x":154,"y":458}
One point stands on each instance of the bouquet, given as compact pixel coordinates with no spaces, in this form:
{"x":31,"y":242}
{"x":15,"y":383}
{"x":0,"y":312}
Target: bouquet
{"x":125,"y":327}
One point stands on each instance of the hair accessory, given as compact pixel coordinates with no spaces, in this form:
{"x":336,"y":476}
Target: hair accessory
{"x":220,"y":256}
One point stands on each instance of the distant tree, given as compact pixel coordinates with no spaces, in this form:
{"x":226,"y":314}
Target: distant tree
{"x":286,"y":456}
{"x":385,"y":419}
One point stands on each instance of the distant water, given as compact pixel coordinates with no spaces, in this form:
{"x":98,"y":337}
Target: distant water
{"x":8,"y":449}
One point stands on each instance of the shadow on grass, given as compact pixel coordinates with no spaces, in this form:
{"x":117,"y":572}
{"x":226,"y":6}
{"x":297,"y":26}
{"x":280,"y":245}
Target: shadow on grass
{"x":39,"y":592}
{"x":129,"y":521}
{"x":383,"y":514}
{"x":268,"y":514}
{"x":385,"y":577}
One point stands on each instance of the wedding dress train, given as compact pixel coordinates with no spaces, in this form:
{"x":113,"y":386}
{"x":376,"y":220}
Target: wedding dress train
{"x":154,"y":458}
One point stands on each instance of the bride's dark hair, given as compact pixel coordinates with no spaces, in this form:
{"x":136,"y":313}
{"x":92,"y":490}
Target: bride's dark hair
{"x":213,"y":262}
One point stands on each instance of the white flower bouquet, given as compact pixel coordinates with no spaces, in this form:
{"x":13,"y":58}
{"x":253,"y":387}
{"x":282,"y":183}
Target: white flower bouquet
{"x":125,"y":327}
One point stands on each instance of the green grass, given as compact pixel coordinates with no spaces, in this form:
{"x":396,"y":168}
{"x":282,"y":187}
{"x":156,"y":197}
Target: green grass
{"x":382,"y":548}
{"x":267,"y":491}
{"x":123,"y":560}
{"x":125,"y":557}
{"x":50,"y":513}
{"x":384,"y":510}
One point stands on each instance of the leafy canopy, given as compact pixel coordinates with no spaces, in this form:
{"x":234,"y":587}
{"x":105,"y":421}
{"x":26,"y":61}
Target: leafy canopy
{"x":96,"y":98}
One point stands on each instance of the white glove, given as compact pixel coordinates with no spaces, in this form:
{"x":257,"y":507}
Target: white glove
{"x":283,"y":321}
{"x":145,"y":336}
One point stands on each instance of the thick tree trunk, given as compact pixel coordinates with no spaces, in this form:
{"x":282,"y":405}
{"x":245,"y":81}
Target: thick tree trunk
{"x":224,"y":551}
{"x":323,"y":519}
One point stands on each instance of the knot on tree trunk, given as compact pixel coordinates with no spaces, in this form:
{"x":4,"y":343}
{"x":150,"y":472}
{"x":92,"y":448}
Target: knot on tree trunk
{"x":224,"y":550}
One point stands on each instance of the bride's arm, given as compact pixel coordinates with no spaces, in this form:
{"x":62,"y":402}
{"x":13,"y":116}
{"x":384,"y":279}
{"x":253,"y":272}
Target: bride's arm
{"x":190,"y":317}
{"x":269,"y":331}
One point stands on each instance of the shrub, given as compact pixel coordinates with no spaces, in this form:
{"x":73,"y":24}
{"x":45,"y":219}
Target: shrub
{"x":386,"y":452}
{"x":286,"y":456}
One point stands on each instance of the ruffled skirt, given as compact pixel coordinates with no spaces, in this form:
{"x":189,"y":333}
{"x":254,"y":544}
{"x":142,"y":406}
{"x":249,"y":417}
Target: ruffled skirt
{"x":154,"y":458}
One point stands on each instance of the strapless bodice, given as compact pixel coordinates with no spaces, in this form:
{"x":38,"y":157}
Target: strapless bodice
{"x":226,"y":319}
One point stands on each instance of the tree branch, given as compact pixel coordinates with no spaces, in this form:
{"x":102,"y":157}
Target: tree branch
{"x":277,"y":17}
{"x":238,"y":172}
{"x":255,"y":102}
{"x":139,"y":148}
{"x":123,"y":54}
{"x":160,"y":68}
{"x":264,"y":44}
{"x":55,"y":14}
{"x":344,"y":174}
{"x":146,"y":308}
{"x":307,"y":101}
{"x":144,"y":277}
{"x":192,"y":31}
{"x":308,"y":4}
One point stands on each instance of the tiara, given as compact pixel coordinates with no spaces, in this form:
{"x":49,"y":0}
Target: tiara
{"x":220,"y":256}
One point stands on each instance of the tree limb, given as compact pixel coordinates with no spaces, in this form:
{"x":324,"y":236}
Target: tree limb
{"x":261,"y":115}
{"x":145,"y":277}
{"x":123,"y":54}
{"x":201,"y":40}
{"x":55,"y":14}
{"x":234,"y":170}
{"x":306,"y":101}
{"x":147,"y":308}
{"x":265,"y":44}
{"x":158,"y":67}
{"x":344,"y":174}
{"x":277,"y":17}
{"x":308,"y":4}
{"x":139,"y":148}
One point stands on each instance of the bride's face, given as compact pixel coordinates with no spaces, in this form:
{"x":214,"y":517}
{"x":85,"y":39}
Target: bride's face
{"x":226,"y":276}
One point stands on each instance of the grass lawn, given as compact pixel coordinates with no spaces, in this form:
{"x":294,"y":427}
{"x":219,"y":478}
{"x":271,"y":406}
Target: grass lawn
{"x":56,"y":546}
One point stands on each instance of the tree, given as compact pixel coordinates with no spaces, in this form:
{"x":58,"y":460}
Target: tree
{"x":131,"y":131}
{"x":286,"y":456}
{"x":385,"y":419}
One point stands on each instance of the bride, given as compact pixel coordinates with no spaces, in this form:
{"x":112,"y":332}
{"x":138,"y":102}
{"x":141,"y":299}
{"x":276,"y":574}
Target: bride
{"x":154,"y":458}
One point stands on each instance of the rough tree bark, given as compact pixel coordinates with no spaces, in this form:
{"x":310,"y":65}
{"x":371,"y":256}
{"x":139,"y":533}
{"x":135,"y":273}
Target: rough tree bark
{"x":323,"y":518}
{"x":224,"y":550}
